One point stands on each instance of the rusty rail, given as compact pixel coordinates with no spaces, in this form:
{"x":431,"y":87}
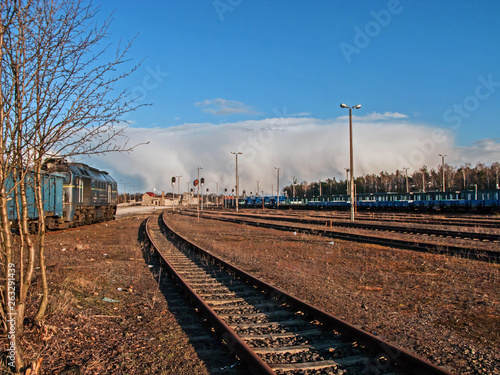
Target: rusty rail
{"x":410,"y":362}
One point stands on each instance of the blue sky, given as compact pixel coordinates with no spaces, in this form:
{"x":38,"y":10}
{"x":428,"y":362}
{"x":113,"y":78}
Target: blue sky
{"x":218,"y":67}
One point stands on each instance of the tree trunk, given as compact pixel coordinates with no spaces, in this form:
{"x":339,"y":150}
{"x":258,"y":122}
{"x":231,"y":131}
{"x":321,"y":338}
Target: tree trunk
{"x":41,"y":245}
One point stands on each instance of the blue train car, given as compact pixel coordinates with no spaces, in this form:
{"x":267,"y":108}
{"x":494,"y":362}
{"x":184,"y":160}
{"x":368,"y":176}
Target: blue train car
{"x":52,"y":195}
{"x":73,"y":194}
{"x":89,"y":196}
{"x":432,"y":200}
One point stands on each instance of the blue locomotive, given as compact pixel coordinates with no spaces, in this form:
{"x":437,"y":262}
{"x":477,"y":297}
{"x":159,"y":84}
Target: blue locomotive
{"x":73,"y":194}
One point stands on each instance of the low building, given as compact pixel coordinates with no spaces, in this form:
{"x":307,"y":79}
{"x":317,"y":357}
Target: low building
{"x":151,"y":199}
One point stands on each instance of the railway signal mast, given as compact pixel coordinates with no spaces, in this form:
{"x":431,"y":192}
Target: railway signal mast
{"x":173,"y":192}
{"x":351,"y":166}
{"x":196,"y":183}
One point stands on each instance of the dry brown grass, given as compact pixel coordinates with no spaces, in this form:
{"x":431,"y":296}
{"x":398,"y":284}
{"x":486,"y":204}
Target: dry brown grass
{"x":447,"y":303}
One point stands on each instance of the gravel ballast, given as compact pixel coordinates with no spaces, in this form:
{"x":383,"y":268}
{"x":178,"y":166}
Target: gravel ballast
{"x":441,"y":308}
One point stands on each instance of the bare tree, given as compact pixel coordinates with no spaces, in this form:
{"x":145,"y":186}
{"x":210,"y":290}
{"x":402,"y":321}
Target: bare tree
{"x":57,"y":97}
{"x":495,"y":167}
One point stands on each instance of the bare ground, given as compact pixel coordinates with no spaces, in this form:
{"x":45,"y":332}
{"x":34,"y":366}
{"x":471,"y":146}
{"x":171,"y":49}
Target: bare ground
{"x":442,"y":308}
{"x":108,"y":316}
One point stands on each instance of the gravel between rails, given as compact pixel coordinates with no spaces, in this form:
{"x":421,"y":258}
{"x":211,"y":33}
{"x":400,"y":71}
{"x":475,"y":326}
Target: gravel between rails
{"x":441,"y":308}
{"x":422,"y":238}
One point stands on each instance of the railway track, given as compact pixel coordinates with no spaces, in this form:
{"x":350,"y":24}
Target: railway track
{"x":406,"y":218}
{"x":462,"y":251}
{"x":273,"y":332}
{"x":378,"y":227}
{"x":463,"y":222}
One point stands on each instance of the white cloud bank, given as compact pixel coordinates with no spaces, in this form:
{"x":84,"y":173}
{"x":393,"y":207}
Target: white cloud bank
{"x":307,"y":148}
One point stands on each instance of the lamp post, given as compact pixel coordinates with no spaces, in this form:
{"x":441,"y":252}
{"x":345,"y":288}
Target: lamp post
{"x":347,"y":179}
{"x":132,"y":186}
{"x":124,"y":190}
{"x":278,"y":188}
{"x":406,"y":175}
{"x":217,"y":194}
{"x":237,"y":184}
{"x":351,"y":164}
{"x":442,"y":164}
{"x":178,"y":184}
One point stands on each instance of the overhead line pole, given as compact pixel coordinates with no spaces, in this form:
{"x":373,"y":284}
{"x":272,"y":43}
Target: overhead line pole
{"x":351,"y":166}
{"x":278,"y":188}
{"x":237,"y":182}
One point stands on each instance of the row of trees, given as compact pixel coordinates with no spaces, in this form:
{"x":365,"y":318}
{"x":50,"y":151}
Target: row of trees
{"x":423,"y":179}
{"x":56,"y":98}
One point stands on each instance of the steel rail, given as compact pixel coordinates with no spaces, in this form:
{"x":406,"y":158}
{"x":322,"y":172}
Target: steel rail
{"x":413,"y":214}
{"x":235,"y":343}
{"x":380,"y":227}
{"x":405,"y":359}
{"x":465,"y":222}
{"x":475,"y":254}
{"x":401,"y":218}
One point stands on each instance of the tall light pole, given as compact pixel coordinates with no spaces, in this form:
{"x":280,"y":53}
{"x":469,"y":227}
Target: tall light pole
{"x":256,"y":194}
{"x":217,"y":194}
{"x":406,"y":174}
{"x":178,"y":184}
{"x":293,"y":186}
{"x":237,"y":184}
{"x":278,"y":188}
{"x":124,"y":190}
{"x":347,"y":179}
{"x":444,"y":182}
{"x":132,"y":186}
{"x":351,"y":164}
